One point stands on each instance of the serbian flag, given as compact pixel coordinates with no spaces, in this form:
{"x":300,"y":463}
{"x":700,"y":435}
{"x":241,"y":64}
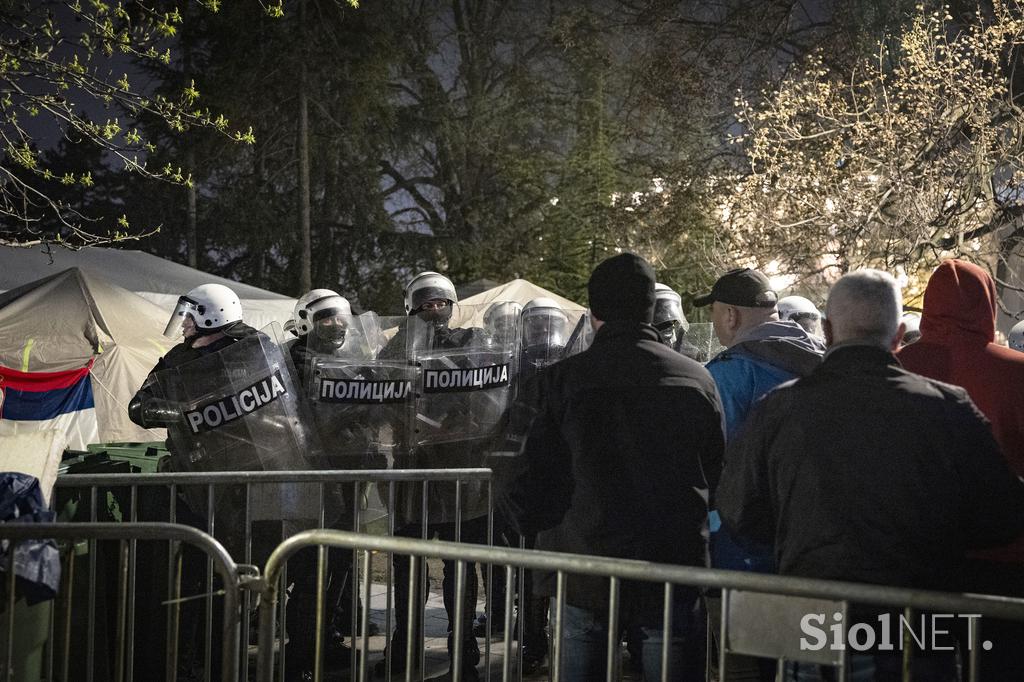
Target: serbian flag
{"x":43,"y":401}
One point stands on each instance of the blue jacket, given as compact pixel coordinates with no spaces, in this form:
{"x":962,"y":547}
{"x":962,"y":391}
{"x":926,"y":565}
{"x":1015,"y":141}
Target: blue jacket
{"x":763,"y":358}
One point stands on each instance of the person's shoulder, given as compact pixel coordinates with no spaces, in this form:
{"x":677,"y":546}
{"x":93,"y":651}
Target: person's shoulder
{"x":240,"y":330}
{"x":923,"y":387}
{"x":1007,"y":358}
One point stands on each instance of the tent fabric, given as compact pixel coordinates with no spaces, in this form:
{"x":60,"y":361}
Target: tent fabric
{"x":519,"y":290}
{"x":70,"y":318}
{"x":156,"y":279}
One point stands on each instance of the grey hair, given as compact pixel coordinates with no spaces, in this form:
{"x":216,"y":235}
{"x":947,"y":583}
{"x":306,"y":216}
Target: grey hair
{"x":865,"y":305}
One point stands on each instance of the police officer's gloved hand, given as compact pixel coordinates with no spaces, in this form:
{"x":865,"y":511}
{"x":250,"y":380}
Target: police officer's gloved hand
{"x":149,"y":412}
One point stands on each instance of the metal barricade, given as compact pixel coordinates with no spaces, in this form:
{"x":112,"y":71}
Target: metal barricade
{"x":121,"y":496}
{"x":753,"y":605}
{"x":116,"y":660}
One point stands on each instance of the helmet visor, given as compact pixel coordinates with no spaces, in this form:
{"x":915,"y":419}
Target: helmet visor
{"x":424,"y":294}
{"x":668,"y":309}
{"x":330,"y":327}
{"x":185,"y":306}
{"x":544,"y":328}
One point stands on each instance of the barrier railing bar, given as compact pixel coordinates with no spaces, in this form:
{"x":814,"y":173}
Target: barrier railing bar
{"x":666,"y":633}
{"x":506,"y":642}
{"x":557,"y":636}
{"x":282,"y":620}
{"x":66,"y":654}
{"x":723,"y":641}
{"x":460,"y":615}
{"x":133,"y":549}
{"x":420,"y":597}
{"x":121,"y":624}
{"x":239,"y":477}
{"x":413,"y":608}
{"x":844,"y":654}
{"x":974,"y":637}
{"x":521,"y":624}
{"x":612,"y":667}
{"x":208,"y":584}
{"x":388,"y":567}
{"x":152,"y":531}
{"x":631,"y":569}
{"x":90,"y":642}
{"x":321,"y":586}
{"x":174,"y":568}
{"x":9,"y":654}
{"x":488,"y":573}
{"x":246,"y":596}
{"x":907,"y":672}
{"x":354,"y":600}
{"x":364,"y":621}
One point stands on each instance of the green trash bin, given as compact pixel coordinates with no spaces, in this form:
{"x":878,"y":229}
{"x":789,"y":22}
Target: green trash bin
{"x":31,"y":631}
{"x":145,"y":457}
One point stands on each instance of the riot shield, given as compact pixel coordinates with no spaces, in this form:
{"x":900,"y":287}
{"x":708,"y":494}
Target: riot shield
{"x":464,"y":383}
{"x":238,"y":409}
{"x":360,"y":403}
{"x":550,"y":335}
{"x":701,"y":336}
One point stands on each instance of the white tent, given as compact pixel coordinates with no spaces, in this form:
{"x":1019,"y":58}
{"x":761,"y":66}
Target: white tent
{"x":65,"y":320}
{"x":155,"y":279}
{"x":469,"y":312}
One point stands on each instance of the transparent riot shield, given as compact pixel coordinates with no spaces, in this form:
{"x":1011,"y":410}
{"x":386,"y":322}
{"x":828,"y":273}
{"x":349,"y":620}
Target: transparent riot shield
{"x":360,"y":403}
{"x":464,"y":381}
{"x":701,"y":337}
{"x":549,"y":335}
{"x":238,"y":409}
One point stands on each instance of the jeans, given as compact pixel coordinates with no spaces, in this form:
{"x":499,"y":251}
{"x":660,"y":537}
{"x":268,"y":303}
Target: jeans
{"x":585,"y":644}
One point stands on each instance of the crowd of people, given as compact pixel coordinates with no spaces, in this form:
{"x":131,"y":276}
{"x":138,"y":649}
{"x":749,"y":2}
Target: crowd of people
{"x":826,"y":445}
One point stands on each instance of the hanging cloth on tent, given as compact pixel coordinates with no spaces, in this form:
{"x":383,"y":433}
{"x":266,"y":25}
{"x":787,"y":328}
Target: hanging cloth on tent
{"x":40,"y":401}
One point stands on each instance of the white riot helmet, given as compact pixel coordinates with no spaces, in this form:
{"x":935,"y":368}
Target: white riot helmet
{"x":428,"y":286}
{"x":318,"y":301}
{"x":501,"y":318}
{"x":800,"y":310}
{"x":1016,"y":336}
{"x":668,"y":308}
{"x":544,"y":323}
{"x":211,"y":306}
{"x":912,"y":332}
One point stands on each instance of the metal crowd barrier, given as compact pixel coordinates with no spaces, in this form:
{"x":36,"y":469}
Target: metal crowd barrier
{"x":118,"y":660}
{"x":122,"y":493}
{"x":753,"y":605}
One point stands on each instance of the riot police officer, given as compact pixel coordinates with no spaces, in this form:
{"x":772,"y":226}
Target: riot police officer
{"x":209,"y":317}
{"x":429,"y":304}
{"x":320,"y":320}
{"x":671,"y":322}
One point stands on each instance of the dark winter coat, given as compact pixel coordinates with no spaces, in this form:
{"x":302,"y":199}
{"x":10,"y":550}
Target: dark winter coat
{"x":620,"y":460}
{"x":864,"y":471}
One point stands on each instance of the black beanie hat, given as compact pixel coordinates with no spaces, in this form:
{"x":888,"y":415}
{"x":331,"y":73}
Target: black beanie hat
{"x":622,"y":288}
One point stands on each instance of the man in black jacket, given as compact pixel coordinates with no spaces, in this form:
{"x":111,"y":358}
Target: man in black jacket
{"x":619,"y":463}
{"x":863,"y":471}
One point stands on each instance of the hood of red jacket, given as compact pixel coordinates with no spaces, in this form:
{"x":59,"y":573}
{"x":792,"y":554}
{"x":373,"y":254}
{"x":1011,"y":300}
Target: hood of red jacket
{"x":960,"y":299}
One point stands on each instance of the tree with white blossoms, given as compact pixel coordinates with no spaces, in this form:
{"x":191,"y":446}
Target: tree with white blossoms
{"x":912,"y":156}
{"x":62,"y":77}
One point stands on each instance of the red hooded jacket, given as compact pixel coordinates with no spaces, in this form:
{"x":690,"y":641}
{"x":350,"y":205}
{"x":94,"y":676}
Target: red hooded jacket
{"x":956,"y":346}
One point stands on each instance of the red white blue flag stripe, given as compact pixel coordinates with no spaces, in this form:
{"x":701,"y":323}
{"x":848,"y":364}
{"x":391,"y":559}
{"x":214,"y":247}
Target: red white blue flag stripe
{"x":37,"y":401}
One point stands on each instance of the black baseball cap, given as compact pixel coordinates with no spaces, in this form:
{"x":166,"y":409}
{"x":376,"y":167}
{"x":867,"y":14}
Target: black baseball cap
{"x":742,"y":287}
